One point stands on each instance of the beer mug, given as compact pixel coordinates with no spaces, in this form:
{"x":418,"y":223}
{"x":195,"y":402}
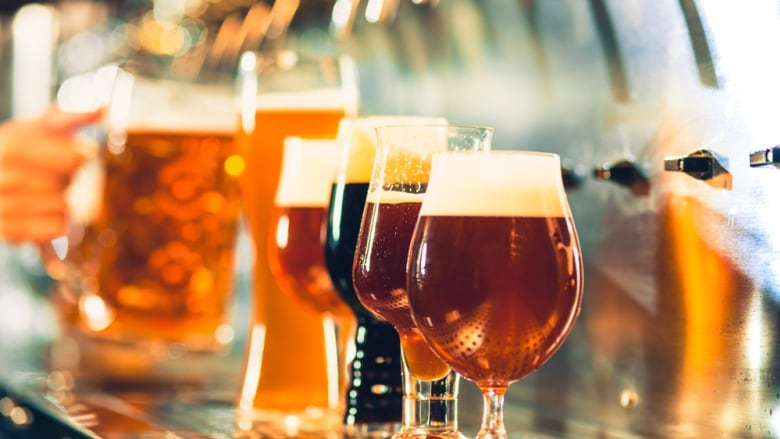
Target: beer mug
{"x":147,"y":263}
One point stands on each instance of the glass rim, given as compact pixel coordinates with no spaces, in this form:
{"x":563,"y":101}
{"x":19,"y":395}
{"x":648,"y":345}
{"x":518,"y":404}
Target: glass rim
{"x":435,"y":125}
{"x":514,"y":152}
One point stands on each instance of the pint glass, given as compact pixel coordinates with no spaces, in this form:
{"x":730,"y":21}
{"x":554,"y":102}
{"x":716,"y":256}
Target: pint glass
{"x":148,"y":258}
{"x":283,"y":94}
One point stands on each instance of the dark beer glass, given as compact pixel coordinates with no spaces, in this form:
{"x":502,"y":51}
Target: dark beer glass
{"x":374,"y":396}
{"x":495,"y":270}
{"x":398,"y":184}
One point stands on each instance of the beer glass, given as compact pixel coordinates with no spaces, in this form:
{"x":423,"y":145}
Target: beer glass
{"x":297,"y":260}
{"x":495,"y":271}
{"x":154,"y":217}
{"x":398,"y":184}
{"x":374,"y":396}
{"x":282,"y":94}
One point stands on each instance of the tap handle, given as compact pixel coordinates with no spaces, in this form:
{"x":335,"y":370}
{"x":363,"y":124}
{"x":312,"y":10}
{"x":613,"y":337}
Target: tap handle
{"x":765,"y":157}
{"x":625,"y":173}
{"x":701,"y":165}
{"x":572,"y":176}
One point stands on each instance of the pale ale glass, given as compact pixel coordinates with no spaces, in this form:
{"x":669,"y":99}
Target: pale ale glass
{"x":297,"y":259}
{"x":154,"y":218}
{"x":283,"y":94}
{"x":495,"y":270}
{"x":398,"y":184}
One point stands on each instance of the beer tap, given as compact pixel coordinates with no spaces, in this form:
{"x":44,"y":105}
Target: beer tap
{"x":765,"y":157}
{"x":625,"y":173}
{"x":701,"y":165}
{"x":616,"y":68}
{"x":572,"y":175}
{"x":702,"y":50}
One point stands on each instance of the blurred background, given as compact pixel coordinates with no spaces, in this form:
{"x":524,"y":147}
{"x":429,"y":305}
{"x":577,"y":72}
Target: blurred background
{"x":664,"y":113}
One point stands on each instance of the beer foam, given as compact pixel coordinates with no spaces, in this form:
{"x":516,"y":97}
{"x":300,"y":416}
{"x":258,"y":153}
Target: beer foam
{"x":308,"y":170}
{"x":358,"y":140}
{"x":497,"y":183}
{"x":317,"y":99}
{"x":394,"y":197}
{"x":176,"y":107}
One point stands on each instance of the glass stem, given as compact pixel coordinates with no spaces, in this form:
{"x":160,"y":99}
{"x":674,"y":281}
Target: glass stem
{"x":430,"y":406}
{"x":492,"y":413}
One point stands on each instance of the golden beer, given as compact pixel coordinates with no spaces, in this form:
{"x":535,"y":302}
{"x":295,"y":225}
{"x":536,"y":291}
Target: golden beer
{"x":289,"y":338}
{"x":156,"y":254}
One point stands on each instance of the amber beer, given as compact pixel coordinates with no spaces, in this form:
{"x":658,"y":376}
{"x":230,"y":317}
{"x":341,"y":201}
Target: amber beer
{"x":497,"y":288}
{"x":382,"y":288}
{"x":291,"y":374}
{"x":299,"y":264}
{"x":157,"y":258}
{"x":297,"y":234}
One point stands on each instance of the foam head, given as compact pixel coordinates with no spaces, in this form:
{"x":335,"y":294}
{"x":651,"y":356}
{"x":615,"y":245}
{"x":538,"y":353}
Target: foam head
{"x":404,"y":152}
{"x":171,"y":106}
{"x":381,"y":196}
{"x":498,"y":183}
{"x":315,"y":99}
{"x":308,"y":169}
{"x":358,"y":140}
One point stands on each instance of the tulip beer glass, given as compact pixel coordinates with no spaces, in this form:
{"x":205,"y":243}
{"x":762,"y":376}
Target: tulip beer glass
{"x":374,"y":397}
{"x":495,"y":272}
{"x":398,"y":184}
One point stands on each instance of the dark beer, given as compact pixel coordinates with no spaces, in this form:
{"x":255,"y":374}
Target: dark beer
{"x":343,"y":225}
{"x":158,"y":256}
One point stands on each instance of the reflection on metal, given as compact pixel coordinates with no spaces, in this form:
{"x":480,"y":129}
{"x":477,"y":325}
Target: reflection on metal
{"x":381,"y":11}
{"x":765,"y":157}
{"x":702,"y":51}
{"x":530,"y":16}
{"x":625,"y":173}
{"x":701,"y":165}
{"x":33,"y":39}
{"x":613,"y":56}
{"x":342,"y":18}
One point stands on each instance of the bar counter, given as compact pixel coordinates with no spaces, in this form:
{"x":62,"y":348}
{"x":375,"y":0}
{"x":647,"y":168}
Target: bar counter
{"x":193,"y":398}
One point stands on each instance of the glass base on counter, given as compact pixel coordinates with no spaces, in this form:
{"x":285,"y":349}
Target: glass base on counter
{"x":188,"y":398}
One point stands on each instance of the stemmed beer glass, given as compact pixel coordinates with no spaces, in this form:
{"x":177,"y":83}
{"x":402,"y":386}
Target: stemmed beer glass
{"x":398,"y":184}
{"x":373,"y":405}
{"x":495,"y":270}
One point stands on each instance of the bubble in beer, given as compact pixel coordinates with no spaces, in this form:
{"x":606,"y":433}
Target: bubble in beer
{"x":234,"y":165}
{"x":359,"y":136}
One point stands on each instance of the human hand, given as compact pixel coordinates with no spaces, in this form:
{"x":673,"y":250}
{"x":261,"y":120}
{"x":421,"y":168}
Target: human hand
{"x":38,"y":157}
